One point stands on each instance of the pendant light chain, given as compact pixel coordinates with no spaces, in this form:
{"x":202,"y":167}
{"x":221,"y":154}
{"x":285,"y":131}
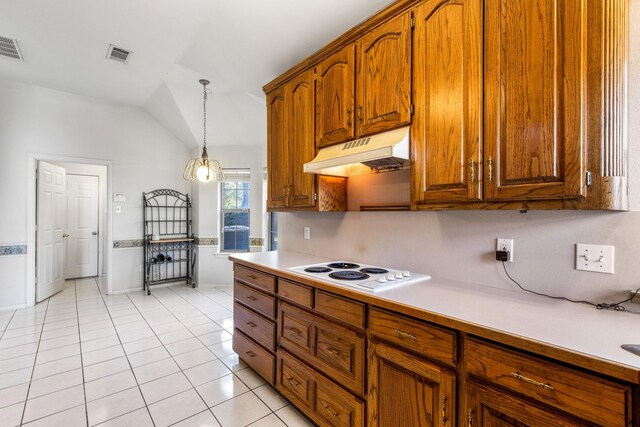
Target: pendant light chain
{"x":204,"y":108}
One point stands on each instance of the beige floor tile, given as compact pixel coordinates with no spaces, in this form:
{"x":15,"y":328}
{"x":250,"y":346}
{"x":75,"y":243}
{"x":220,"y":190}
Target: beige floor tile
{"x":109,"y":385}
{"x":57,"y":367}
{"x":12,"y":395}
{"x":270,"y":397}
{"x":165,"y":387}
{"x":176,"y":408}
{"x":155,"y":370}
{"x":194,"y":358}
{"x":54,"y":402}
{"x":55,"y":383}
{"x":138,"y":418}
{"x":184,"y":346}
{"x":102,"y":355}
{"x":221,"y":389}
{"x":250,"y":378}
{"x":206,"y":372}
{"x":203,"y":419}
{"x":240,"y":411}
{"x":74,"y":417}
{"x":269,"y":421}
{"x":148,"y":356}
{"x":106,"y":368}
{"x":114,"y":405}
{"x":11,"y":415}
{"x":293,"y":418}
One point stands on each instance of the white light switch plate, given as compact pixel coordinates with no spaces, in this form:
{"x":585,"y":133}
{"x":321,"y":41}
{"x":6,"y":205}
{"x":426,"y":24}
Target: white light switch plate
{"x":598,"y":258}
{"x":306,"y":231}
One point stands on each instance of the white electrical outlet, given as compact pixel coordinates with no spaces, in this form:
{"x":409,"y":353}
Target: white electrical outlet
{"x":307,"y":233}
{"x":598,"y":258}
{"x":505,"y":245}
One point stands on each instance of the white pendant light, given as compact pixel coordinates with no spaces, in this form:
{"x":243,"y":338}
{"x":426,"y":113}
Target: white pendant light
{"x":203,"y":169}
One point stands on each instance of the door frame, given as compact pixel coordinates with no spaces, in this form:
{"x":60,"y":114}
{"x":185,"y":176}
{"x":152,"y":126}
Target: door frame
{"x":32,"y":164}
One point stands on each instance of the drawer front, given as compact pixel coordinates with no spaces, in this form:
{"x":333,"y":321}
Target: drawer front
{"x":258,"y":301}
{"x":295,"y":292}
{"x":260,"y":280}
{"x":260,"y":330}
{"x":431,"y":341}
{"x":342,"y":309}
{"x":295,"y":381}
{"x":256,"y":357}
{"x":589,"y":397}
{"x":337,"y":407}
{"x":333,"y":350}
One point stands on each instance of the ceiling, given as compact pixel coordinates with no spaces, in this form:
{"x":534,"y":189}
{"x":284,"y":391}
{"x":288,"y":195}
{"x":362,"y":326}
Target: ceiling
{"x":239,"y":45}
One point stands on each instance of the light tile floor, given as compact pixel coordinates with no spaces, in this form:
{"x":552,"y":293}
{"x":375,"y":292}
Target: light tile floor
{"x":82,"y":358}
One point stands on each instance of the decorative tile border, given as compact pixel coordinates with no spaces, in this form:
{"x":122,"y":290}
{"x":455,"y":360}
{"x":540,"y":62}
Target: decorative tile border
{"x":133,"y":243}
{"x":13,"y":250}
{"x":256,"y":241}
{"x":207,"y":241}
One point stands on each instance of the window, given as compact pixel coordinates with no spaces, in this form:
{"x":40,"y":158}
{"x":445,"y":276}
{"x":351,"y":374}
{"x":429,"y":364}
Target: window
{"x":273,"y":231}
{"x":235,"y":194}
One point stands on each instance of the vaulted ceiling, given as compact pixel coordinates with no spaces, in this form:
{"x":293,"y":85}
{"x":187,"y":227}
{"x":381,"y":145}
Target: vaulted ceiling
{"x":239,"y":45}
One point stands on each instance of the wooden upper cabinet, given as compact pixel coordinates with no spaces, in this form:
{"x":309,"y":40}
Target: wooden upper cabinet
{"x":535,"y":63}
{"x":277,"y":151}
{"x":300,"y":121}
{"x":447,"y":76}
{"x":384,"y":77}
{"x":335,"y":87}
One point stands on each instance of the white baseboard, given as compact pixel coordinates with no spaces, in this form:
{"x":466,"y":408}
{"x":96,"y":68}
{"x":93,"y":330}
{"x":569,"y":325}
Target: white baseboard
{"x":13,"y":307}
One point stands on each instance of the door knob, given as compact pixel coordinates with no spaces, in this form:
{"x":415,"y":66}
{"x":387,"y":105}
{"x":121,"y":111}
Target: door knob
{"x":65,"y":235}
{"x":95,"y":233}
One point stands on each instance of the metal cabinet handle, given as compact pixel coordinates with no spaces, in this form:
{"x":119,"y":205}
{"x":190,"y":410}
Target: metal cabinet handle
{"x":521,"y":377}
{"x":472,"y":171}
{"x":332,"y":412}
{"x":251,"y":298}
{"x":360,"y":112}
{"x":490,"y":169}
{"x":402,"y":334}
{"x":295,"y":331}
{"x":348,"y":118}
{"x":444,"y":410}
{"x":252,"y":277}
{"x":293,"y":382}
{"x":250,"y":353}
{"x":334,"y":353}
{"x":470,"y":418}
{"x":251,"y":324}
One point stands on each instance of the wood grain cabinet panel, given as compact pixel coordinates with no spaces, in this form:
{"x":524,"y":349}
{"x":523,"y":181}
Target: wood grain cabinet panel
{"x":384,"y":77}
{"x":260,"y":329}
{"x":335,"y":91}
{"x":278,"y":150}
{"x":339,"y":308}
{"x":447,"y":129}
{"x":260,"y":360}
{"x":255,"y":299}
{"x":592,"y":398}
{"x":263,"y":281}
{"x":405,"y":390}
{"x":535,"y":100}
{"x":295,"y":292}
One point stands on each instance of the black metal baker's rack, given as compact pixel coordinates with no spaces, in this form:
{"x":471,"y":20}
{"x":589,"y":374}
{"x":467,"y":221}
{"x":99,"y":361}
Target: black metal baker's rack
{"x":168,"y":239}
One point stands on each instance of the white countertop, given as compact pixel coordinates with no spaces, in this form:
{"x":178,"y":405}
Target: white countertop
{"x":576,"y":328}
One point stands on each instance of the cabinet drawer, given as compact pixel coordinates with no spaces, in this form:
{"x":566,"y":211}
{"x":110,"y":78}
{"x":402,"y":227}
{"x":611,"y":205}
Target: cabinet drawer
{"x":590,"y":397}
{"x":255,"y":278}
{"x":295,"y":380}
{"x":431,"y":341}
{"x":261,"y":330}
{"x":318,"y":397}
{"x":256,"y":357}
{"x":333,"y":350}
{"x":295,"y":292}
{"x":260,"y":302}
{"x":342,"y":309}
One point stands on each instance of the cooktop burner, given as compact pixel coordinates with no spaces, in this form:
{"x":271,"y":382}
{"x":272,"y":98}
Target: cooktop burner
{"x":343,"y":265}
{"x":317,"y":269}
{"x":374,"y":270}
{"x":348,"y":275}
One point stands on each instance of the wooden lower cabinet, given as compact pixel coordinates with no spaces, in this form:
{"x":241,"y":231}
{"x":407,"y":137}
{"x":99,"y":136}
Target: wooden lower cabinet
{"x":319,"y":398}
{"x":487,"y":406}
{"x":407,"y":391}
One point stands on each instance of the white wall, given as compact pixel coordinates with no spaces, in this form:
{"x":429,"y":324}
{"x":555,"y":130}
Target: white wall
{"x":215,"y":268}
{"x":144,"y":155}
{"x":460,"y":245}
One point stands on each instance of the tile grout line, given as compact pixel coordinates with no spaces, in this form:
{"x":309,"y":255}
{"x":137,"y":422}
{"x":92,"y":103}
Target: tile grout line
{"x":174,"y":361}
{"x":33,"y":368}
{"x":130,"y":366}
{"x":8,"y":323}
{"x":84,"y":389}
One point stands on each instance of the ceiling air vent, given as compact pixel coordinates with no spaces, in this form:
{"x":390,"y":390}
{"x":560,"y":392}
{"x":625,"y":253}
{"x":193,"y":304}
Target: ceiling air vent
{"x":9,"y":47}
{"x":118,"y":53}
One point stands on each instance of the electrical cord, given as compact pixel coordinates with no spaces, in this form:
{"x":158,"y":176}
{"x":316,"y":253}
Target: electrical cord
{"x":601,"y":306}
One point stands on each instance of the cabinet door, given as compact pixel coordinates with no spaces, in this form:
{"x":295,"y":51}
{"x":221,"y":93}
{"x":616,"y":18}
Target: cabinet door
{"x":535,"y":102}
{"x":489,"y":407}
{"x":405,"y":390}
{"x":300,"y":97}
{"x":447,"y":132}
{"x":384,"y":77}
{"x":278,"y":156}
{"x":335,"y":86}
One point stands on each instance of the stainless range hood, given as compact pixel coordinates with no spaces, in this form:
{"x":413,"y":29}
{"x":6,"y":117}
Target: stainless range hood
{"x":385,"y":151}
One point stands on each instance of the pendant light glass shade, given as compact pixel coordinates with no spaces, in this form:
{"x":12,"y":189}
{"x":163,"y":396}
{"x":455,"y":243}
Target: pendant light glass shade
{"x":203,"y":169}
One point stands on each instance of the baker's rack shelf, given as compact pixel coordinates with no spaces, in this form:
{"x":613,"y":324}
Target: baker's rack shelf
{"x":169,"y":242}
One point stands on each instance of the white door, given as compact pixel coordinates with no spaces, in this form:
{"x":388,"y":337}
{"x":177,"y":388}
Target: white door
{"x":82,"y":226}
{"x":51,"y":205}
